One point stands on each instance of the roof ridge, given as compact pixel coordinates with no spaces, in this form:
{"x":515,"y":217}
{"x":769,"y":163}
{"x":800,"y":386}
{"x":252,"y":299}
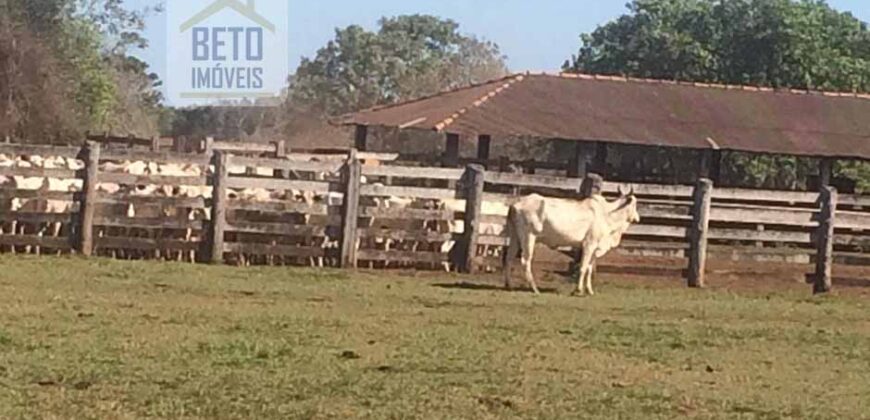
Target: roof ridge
{"x":426,"y":97}
{"x":721,"y":86}
{"x":509,"y":81}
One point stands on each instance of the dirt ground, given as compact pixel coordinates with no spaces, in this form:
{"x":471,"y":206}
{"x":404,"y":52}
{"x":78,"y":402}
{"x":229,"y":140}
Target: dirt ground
{"x":551,"y":268}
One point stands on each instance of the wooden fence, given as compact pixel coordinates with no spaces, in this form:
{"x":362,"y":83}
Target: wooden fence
{"x":258,"y":207}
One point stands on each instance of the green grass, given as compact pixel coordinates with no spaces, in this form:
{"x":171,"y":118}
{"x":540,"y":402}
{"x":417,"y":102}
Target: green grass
{"x":113,"y":340}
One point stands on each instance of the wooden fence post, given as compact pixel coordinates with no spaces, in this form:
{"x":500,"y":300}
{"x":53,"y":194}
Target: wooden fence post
{"x":593,"y":184}
{"x":219,"y":207}
{"x":825,"y":241}
{"x":88,"y":204}
{"x":155,"y":143}
{"x":350,"y":211}
{"x":475,"y":179}
{"x":698,"y":233}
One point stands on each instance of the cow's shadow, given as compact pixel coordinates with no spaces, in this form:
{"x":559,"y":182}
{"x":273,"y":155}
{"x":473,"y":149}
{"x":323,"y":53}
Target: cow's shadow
{"x":493,"y":288}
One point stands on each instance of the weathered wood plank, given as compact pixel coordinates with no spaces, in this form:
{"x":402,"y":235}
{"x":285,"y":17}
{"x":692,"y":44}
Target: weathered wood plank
{"x":410,"y":192}
{"x":282,"y":229}
{"x":157,"y":157}
{"x":39,"y":218}
{"x":403,"y":256}
{"x":7,"y":193}
{"x":283,"y":185}
{"x":60,"y":243}
{"x":750,"y":235}
{"x":142,"y":244}
{"x":772,"y":196}
{"x":791,"y":217}
{"x":41,"y":173}
{"x":650,"y":189}
{"x":130,"y":179}
{"x":230,"y":146}
{"x":278,"y":250}
{"x":283,"y":207}
{"x":852,"y":220}
{"x":411,"y":172}
{"x":489,"y":240}
{"x":35,"y":150}
{"x":137,"y":200}
{"x":289,"y":165}
{"x":406,"y":235}
{"x":539,"y":181}
{"x":659,"y":231}
{"x":412,"y":214}
{"x":148,"y":223}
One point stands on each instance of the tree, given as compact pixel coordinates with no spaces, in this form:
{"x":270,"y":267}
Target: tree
{"x":408,"y":57}
{"x":65,"y":70}
{"x":802,"y":44}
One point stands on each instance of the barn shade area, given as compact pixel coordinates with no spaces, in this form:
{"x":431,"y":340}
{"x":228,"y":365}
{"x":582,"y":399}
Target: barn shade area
{"x":593,"y":113}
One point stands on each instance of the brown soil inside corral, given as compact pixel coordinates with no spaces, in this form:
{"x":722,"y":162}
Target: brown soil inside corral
{"x":551,"y":271}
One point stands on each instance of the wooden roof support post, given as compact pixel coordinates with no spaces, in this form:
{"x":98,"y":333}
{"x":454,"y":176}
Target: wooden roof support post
{"x":451,"y":151}
{"x":599,"y":163}
{"x":360,"y":138}
{"x":484,"y":146}
{"x":826,"y":171}
{"x":580,"y":161}
{"x":589,"y":157}
{"x":710,"y":165}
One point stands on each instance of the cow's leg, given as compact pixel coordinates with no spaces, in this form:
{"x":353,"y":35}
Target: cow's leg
{"x":586,"y":262}
{"x":528,"y":253}
{"x":589,"y":276}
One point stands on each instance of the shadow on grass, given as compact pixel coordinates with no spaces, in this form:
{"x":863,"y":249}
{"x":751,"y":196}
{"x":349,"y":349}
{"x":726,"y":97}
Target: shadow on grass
{"x":492,"y":288}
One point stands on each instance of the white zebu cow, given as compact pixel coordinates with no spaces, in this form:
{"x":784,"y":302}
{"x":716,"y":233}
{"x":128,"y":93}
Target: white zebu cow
{"x":144,"y":169}
{"x":38,"y":184}
{"x":594,"y":225}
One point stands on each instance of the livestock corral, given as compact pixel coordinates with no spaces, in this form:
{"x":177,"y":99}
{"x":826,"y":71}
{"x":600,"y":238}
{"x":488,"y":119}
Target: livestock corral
{"x":369,"y":210}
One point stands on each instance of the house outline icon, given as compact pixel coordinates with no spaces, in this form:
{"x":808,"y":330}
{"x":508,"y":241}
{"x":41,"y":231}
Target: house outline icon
{"x":247,"y":10}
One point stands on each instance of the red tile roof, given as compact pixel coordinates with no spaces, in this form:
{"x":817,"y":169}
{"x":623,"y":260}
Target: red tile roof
{"x":643,"y":111}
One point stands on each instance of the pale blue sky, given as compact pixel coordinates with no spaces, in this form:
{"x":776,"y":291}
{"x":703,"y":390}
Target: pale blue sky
{"x":536,"y":35}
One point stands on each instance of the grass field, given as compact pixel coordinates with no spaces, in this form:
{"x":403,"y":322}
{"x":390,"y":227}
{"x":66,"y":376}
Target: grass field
{"x":114,"y":340}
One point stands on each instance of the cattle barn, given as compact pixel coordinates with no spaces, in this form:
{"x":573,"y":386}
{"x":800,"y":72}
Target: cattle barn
{"x":589,"y":116}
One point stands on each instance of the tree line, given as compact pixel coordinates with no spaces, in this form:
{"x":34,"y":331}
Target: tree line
{"x":66,"y":68}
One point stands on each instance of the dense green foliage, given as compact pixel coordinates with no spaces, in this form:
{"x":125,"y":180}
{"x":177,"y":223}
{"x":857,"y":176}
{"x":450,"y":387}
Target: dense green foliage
{"x":65,"y":70}
{"x":779,"y":43}
{"x":408,"y":57}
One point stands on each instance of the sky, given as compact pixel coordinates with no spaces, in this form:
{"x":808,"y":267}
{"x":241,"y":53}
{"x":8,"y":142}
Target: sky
{"x":536,"y":35}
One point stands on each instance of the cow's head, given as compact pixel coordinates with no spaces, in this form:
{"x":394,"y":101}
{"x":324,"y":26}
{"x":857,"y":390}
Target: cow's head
{"x":629,"y":205}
